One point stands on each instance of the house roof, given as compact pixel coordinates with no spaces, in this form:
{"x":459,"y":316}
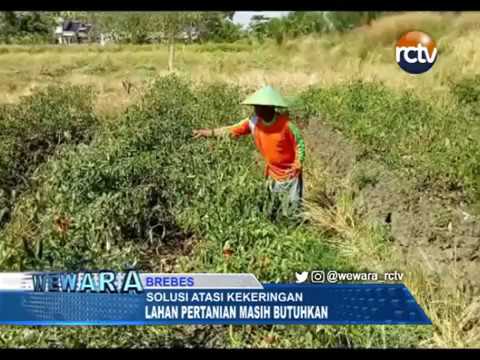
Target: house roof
{"x":75,"y":26}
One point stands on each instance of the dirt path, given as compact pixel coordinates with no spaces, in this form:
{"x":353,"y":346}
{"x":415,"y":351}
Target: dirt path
{"x":435,"y":228}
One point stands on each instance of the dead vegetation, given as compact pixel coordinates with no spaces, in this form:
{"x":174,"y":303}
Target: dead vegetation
{"x":442,"y":285}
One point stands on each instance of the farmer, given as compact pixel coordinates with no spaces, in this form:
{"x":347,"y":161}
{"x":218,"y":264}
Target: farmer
{"x":280,"y":143}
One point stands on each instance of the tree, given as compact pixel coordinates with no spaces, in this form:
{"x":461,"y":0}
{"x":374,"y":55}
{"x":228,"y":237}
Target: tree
{"x":258,"y":26}
{"x":229,"y":14}
{"x":277,"y":29}
{"x":172,"y":25}
{"x":8,"y":23}
{"x":23,"y":24}
{"x":229,"y":31}
{"x":298,"y":23}
{"x":131,"y":27}
{"x":347,"y":20}
{"x":218,"y":26}
{"x":35,"y":23}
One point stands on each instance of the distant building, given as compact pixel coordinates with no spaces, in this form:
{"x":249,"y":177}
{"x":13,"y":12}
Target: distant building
{"x":71,"y":31}
{"x":77,"y":32}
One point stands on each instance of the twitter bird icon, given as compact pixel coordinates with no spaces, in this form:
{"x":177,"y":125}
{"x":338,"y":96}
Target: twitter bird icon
{"x":301,"y":277}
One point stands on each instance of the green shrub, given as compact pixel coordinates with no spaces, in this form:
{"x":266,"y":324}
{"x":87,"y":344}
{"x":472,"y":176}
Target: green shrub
{"x":33,"y":129}
{"x":438,"y":145}
{"x":144,"y":181}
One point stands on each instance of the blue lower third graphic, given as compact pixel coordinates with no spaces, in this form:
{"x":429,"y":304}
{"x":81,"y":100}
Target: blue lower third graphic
{"x":369,"y":304}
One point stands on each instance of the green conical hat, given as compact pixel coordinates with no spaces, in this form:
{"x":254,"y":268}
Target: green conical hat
{"x":266,"y":96}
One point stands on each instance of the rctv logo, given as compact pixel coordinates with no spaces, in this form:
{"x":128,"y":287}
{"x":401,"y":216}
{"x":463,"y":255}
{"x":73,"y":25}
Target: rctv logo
{"x":416,"y":52}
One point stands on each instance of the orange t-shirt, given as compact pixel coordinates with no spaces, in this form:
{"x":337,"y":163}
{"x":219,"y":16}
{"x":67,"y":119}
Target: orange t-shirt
{"x":279,"y":142}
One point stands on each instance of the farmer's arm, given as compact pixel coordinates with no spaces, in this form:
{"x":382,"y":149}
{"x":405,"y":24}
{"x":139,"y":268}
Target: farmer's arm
{"x":299,"y":145}
{"x":236,"y":130}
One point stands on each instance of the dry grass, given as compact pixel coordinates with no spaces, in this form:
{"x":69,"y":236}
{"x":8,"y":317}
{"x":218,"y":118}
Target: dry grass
{"x":366,"y":53}
{"x":455,"y":312}
{"x":387,"y":30}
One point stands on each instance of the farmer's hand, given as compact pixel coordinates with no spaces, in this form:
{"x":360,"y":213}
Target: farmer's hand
{"x":202,"y":133}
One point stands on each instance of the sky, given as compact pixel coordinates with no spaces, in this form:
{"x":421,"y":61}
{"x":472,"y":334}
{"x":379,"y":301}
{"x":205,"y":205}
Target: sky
{"x":243,"y":17}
